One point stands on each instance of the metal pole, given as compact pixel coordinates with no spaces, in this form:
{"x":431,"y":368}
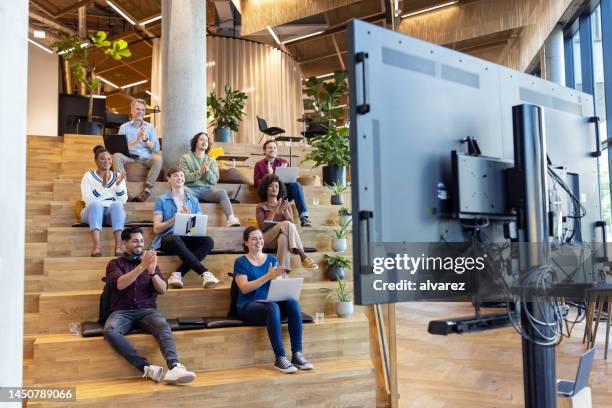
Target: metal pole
{"x":539,"y":378}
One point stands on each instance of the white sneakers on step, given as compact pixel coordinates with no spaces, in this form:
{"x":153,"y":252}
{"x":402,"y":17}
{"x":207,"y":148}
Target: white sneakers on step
{"x":178,"y":375}
{"x":232,"y":221}
{"x":175,"y":280}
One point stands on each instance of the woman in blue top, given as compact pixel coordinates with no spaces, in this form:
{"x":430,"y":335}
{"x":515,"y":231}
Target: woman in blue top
{"x":191,"y":250}
{"x":253,"y":273}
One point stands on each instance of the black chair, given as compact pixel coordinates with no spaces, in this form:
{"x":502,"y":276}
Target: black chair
{"x":270,"y":131}
{"x":315,"y":129}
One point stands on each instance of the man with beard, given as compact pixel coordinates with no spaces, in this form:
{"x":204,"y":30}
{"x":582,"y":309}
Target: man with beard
{"x":135,"y":281}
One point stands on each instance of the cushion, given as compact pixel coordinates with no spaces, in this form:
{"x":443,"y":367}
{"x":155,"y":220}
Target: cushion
{"x":216,"y":152}
{"x":232,"y":176}
{"x":78,"y":207}
{"x":136,"y":172}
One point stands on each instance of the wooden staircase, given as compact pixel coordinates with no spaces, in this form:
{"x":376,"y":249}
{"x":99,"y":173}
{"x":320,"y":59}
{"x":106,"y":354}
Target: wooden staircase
{"x":234,"y":365}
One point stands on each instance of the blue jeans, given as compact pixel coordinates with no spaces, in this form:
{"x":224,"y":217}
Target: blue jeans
{"x":208,"y":195}
{"x":296,"y":193}
{"x":120,"y":322}
{"x":95,"y":214}
{"x":271,"y":314}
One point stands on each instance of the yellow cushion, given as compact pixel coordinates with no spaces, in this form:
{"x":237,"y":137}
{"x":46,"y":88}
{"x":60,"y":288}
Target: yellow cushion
{"x":78,"y":207}
{"x":216,"y":152}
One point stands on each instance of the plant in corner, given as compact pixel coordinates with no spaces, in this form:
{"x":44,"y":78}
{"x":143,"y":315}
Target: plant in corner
{"x":75,"y":51}
{"x":339,"y":235}
{"x":345,"y":215}
{"x":336,"y":265}
{"x":226,"y":112}
{"x":344,"y":298}
{"x":330,"y":150}
{"x":336,"y":190}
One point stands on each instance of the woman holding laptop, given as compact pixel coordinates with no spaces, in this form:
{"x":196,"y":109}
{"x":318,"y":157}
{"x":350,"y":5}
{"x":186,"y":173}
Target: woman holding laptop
{"x":190,"y":249}
{"x":275,"y":218}
{"x":253,"y":273}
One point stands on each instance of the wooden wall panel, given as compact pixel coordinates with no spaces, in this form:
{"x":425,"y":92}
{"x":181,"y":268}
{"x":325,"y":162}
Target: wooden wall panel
{"x":270,"y":77}
{"x":257,"y":14}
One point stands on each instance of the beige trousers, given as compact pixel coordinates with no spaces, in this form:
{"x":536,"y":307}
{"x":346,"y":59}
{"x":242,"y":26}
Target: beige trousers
{"x":284,"y":238}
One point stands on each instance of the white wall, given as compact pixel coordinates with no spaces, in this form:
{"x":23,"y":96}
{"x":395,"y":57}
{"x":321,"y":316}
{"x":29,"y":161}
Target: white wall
{"x":13,"y":105}
{"x":43,"y":88}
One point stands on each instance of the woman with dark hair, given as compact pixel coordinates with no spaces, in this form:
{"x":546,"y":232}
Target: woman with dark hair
{"x":202,"y":173}
{"x":275,"y":218}
{"x":104,"y":193}
{"x":253,"y":273}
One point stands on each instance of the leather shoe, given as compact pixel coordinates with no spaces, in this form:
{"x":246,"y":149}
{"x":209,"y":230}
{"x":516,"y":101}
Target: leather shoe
{"x":142,"y":197}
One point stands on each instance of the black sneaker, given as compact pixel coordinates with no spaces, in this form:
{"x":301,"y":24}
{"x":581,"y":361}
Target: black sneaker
{"x":300,"y":362}
{"x":284,"y":366}
{"x":306,"y":222}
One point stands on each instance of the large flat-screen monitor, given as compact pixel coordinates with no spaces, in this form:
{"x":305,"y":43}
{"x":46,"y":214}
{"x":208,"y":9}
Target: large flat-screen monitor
{"x":412,"y":103}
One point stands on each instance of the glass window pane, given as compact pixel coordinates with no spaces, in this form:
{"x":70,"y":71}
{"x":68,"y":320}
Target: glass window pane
{"x":577,"y":65}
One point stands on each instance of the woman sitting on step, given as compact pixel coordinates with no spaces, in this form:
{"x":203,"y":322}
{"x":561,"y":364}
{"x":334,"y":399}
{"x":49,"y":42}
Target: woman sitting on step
{"x":104,"y":193}
{"x":202,"y":173}
{"x":190,"y":249}
{"x":275,"y":218}
{"x":253,"y":273}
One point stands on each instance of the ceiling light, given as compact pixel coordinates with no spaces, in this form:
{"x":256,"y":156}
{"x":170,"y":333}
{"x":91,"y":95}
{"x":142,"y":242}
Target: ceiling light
{"x":302,"y":37}
{"x":325,"y":75}
{"x":121,"y":13}
{"x":149,"y":21}
{"x":135,"y":83}
{"x":41,"y":46}
{"x":39,"y":34}
{"x":99,"y":96}
{"x":273,"y":34}
{"x":428,"y":9}
{"x":106,"y":81}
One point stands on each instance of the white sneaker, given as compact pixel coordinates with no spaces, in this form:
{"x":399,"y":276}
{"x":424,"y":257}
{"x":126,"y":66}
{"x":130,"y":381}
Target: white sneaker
{"x":153,"y":372}
{"x":179,"y":375}
{"x":176,"y":280}
{"x":232,"y":221}
{"x":209,"y":280}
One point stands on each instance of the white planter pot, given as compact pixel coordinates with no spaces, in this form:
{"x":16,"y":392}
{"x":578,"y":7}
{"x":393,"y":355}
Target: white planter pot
{"x":344,"y":219}
{"x":339,"y":245}
{"x":344,"y":309}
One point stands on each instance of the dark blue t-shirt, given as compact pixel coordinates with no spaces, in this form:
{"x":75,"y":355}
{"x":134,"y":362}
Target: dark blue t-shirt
{"x":242,"y":266}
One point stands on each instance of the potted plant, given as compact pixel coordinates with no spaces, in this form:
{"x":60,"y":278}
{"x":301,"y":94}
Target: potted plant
{"x":336,"y":190}
{"x":330,"y":150}
{"x":336,"y":265}
{"x":226,"y":112}
{"x":75,"y":50}
{"x":344,"y":298}
{"x":339,"y":235}
{"x":345,"y":215}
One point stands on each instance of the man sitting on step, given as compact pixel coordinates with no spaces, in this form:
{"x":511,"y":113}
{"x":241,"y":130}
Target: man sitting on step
{"x":294,"y":190}
{"x":142,"y":143}
{"x":135,"y":282}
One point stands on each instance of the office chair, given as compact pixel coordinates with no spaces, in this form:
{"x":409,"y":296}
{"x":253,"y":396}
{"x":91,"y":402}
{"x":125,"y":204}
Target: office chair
{"x":270,"y":131}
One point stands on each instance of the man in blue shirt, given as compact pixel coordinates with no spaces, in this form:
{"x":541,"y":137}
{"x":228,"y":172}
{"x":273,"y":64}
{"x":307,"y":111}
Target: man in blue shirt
{"x":142,"y":143}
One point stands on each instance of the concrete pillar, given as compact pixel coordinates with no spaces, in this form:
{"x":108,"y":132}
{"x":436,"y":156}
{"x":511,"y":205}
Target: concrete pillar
{"x":156,"y":86}
{"x":13,"y":108}
{"x":183,"y":75}
{"x":555,"y":57}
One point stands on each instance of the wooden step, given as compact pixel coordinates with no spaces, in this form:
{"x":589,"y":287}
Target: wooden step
{"x":69,"y":241}
{"x":34,"y":283}
{"x":30,"y":302}
{"x":335,"y":382}
{"x":30,"y":324}
{"x":66,"y":358}
{"x":35,"y":206}
{"x":85,"y":273}
{"x":35,"y":253}
{"x":62,"y":213}
{"x":58,"y":309}
{"x":28,"y":346}
{"x":69,"y":190}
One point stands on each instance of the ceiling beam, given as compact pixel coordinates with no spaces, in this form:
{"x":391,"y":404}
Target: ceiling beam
{"x":35,"y":16}
{"x":77,"y":5}
{"x":128,"y":62}
{"x":338,"y":53}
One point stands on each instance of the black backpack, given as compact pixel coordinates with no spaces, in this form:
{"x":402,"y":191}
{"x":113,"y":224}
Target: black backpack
{"x":233,"y":311}
{"x":105,"y":304}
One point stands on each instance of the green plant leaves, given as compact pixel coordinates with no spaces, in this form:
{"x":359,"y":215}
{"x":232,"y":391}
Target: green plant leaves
{"x":227,"y":111}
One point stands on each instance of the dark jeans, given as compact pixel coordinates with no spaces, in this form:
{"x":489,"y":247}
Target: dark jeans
{"x":296,"y":193}
{"x":120,"y":322}
{"x":191,"y":250}
{"x":271,"y":314}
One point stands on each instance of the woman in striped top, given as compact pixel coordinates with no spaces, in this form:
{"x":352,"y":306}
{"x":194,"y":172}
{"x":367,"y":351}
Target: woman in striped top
{"x":104,"y":193}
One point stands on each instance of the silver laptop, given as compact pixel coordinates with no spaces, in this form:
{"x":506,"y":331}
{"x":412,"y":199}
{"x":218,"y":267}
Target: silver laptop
{"x":571,"y":388}
{"x":287,"y":174}
{"x":190,"y":225}
{"x":284,"y":289}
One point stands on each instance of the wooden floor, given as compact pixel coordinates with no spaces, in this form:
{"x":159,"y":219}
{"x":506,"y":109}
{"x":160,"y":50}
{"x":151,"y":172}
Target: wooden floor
{"x":477,"y":370}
